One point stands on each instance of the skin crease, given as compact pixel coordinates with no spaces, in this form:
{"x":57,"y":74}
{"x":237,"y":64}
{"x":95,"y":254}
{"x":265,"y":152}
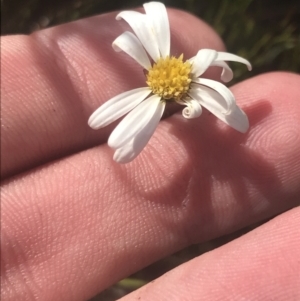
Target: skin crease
{"x":67,"y":65}
{"x":234,"y":271}
{"x":74,"y":222}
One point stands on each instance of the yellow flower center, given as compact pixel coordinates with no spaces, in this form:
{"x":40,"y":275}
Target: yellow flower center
{"x":170,"y":77}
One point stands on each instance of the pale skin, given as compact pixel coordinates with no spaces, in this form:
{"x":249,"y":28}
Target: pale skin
{"x":74,"y":222}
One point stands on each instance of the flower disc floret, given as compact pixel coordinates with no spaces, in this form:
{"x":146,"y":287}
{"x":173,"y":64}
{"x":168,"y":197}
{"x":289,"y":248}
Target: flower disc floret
{"x":170,"y":77}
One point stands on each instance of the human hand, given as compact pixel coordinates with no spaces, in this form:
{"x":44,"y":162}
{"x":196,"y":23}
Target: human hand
{"x":74,"y":221}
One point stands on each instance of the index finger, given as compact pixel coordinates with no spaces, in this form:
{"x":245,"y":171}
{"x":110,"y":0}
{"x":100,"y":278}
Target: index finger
{"x":54,"y":79}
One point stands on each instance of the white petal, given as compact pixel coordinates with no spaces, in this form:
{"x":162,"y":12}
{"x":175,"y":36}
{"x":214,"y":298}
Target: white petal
{"x":158,"y":17}
{"x":134,"y":122}
{"x":221,"y":89}
{"x":225,"y":56}
{"x":210,"y":99}
{"x":117,"y":107}
{"x":131,"y":45}
{"x":202,"y":61}
{"x":141,"y":26}
{"x":227,"y":74}
{"x":131,"y":150}
{"x":238,"y":120}
{"x":192,"y":110}
{"x":126,"y":153}
{"x":213,"y":98}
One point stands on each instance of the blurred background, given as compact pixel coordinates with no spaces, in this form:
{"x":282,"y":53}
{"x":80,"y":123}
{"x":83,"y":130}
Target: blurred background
{"x":267,"y":33}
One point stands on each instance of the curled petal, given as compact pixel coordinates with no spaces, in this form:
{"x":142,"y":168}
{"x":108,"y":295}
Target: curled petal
{"x":202,"y":61}
{"x":214,"y":103}
{"x":131,"y":45}
{"x":227,"y":74}
{"x":221,"y":89}
{"x":134,"y":122}
{"x":116,"y":107}
{"x":225,"y":56}
{"x":158,"y":17}
{"x":141,"y":26}
{"x":132,"y":149}
{"x":192,"y":110}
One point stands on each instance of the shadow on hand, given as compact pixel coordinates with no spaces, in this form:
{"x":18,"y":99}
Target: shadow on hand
{"x":224,"y":184}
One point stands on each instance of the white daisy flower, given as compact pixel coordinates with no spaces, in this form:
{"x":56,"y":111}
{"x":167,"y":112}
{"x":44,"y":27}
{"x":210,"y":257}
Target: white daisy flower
{"x":167,"y":79}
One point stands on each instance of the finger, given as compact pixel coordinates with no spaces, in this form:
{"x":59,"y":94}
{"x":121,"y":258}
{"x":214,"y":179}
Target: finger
{"x":261,"y":265}
{"x":86,"y":217}
{"x":54,"y":79}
